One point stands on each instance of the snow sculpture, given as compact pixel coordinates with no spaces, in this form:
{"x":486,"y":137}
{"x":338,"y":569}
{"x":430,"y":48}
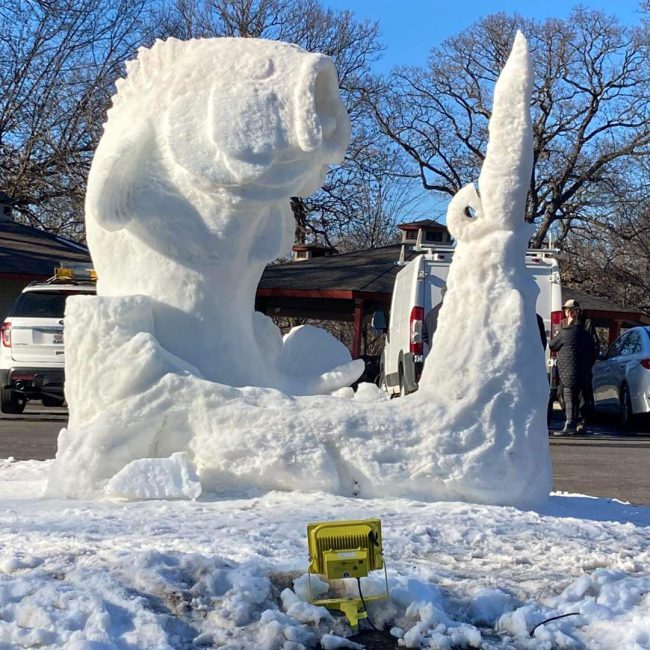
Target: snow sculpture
{"x":188,"y":196}
{"x":476,"y":429}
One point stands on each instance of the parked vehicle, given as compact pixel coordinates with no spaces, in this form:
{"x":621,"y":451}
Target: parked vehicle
{"x":32,"y":351}
{"x":418,"y":288}
{"x":621,"y":378}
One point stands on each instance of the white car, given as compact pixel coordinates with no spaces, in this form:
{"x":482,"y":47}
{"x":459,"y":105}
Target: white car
{"x":32,"y":352}
{"x":621,"y":379}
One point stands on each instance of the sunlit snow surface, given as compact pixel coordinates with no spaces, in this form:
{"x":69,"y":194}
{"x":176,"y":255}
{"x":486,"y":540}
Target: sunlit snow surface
{"x":187,"y":201}
{"x":214,"y":573}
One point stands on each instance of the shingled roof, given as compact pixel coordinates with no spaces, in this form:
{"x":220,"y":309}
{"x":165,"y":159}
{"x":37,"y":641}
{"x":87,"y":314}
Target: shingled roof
{"x":26,"y":252}
{"x":371,"y":271}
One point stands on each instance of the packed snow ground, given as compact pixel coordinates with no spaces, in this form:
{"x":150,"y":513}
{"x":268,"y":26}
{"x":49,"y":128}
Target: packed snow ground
{"x":230,"y":573}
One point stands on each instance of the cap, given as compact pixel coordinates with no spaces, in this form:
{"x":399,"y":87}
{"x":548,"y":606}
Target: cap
{"x":570,"y":304}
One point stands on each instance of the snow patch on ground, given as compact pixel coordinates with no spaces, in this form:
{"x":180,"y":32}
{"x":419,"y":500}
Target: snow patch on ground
{"x":232,"y":572}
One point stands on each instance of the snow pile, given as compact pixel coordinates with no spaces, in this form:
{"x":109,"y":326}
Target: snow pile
{"x":156,"y":478}
{"x":188,"y":366}
{"x":231,"y":573}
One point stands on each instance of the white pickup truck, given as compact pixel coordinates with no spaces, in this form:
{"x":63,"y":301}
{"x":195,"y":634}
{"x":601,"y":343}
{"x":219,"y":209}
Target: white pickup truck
{"x":418,"y":289}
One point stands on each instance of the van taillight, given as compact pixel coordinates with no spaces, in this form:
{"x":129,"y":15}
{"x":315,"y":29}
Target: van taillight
{"x":645,"y":363}
{"x":6,"y":334}
{"x":415,"y":327}
{"x":556,"y":319}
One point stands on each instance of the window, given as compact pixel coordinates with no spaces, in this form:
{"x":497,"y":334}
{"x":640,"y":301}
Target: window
{"x":631,"y":345}
{"x":433,"y":236}
{"x":43,"y":304}
{"x":615,"y":348}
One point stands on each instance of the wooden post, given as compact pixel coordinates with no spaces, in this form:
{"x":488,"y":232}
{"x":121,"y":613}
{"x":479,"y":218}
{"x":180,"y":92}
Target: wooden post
{"x":614,"y":331}
{"x":358,"y":328}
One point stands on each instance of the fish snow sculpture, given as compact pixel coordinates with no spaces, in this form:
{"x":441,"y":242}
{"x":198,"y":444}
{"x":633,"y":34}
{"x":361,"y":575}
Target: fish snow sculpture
{"x":188,"y":194}
{"x":200,"y":183}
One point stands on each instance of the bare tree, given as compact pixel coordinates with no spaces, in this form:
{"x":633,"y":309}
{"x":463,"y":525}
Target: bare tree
{"x":610,"y":256}
{"x":362,"y":203}
{"x":380,"y":203}
{"x":590,"y":108}
{"x":58,"y":60}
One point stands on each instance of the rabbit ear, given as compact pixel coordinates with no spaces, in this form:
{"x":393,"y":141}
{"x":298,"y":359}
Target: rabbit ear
{"x":116,"y":172}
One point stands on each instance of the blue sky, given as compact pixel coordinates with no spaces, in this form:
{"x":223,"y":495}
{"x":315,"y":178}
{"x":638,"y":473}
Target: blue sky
{"x":411,"y":27}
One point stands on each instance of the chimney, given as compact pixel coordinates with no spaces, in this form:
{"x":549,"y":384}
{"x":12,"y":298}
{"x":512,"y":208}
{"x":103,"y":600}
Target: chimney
{"x":303,"y":252}
{"x":6,"y":209}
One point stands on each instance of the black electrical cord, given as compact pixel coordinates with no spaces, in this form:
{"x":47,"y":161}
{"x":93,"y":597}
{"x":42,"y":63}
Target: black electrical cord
{"x":365,"y":607}
{"x":388,"y":635}
{"x":548,"y":620}
{"x":376,"y":629}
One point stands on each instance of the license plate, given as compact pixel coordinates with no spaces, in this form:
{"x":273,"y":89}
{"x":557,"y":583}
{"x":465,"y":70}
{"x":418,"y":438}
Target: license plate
{"x":57,"y":339}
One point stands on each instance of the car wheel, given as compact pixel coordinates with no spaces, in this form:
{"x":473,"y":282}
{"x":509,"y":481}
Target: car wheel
{"x":381,"y":377}
{"x":626,"y":414}
{"x":402,"y":387}
{"x":52,"y":401}
{"x":12,"y":403}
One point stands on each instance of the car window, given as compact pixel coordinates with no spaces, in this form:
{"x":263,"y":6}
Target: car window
{"x":615,"y":348}
{"x":632,"y":344}
{"x":43,"y":304}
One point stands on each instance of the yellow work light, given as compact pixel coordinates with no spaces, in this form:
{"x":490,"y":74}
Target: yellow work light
{"x":346,"y":549}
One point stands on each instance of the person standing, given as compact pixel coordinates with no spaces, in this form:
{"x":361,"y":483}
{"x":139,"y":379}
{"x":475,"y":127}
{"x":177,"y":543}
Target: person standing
{"x":575,"y":356}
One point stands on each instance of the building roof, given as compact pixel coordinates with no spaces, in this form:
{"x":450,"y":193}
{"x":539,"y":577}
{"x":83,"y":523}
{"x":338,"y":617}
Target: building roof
{"x":26,"y":252}
{"x":371,"y":271}
{"x":313,"y":247}
{"x":423,"y":223}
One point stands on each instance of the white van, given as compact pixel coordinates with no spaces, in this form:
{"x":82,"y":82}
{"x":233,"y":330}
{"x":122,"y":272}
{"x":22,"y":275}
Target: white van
{"x":418,"y":289}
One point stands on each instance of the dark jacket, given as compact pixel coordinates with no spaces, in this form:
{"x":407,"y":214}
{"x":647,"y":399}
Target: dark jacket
{"x":591,"y":330}
{"x":576,"y":354}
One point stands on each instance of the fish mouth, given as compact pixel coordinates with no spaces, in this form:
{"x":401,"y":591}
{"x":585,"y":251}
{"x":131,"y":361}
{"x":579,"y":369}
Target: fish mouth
{"x":323,"y":120}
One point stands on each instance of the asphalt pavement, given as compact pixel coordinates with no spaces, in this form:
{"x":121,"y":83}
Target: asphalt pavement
{"x":607,"y":463}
